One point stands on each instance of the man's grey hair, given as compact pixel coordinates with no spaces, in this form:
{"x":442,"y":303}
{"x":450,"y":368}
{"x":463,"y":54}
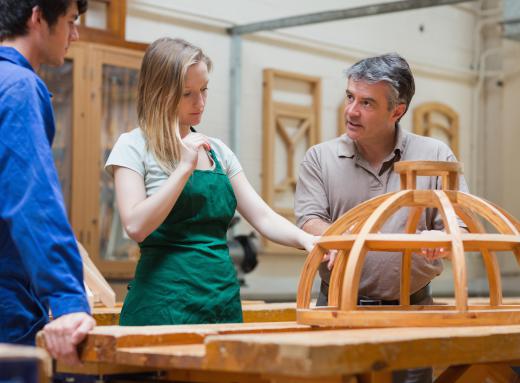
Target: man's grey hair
{"x":390,"y":68}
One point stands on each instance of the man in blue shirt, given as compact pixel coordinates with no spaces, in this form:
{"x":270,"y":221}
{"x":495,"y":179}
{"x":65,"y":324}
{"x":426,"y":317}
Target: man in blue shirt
{"x":40,"y":266}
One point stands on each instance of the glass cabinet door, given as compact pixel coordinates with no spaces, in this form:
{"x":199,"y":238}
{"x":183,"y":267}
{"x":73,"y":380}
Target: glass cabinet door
{"x":60,"y":83}
{"x":112,"y":103}
{"x":118,"y":115}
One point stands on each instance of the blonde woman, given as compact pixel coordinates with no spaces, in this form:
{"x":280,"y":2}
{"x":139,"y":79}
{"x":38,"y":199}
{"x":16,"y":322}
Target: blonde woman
{"x":177,"y":191}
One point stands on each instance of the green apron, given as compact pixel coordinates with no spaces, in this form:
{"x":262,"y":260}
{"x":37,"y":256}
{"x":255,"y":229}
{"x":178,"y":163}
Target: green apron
{"x":185,"y":274}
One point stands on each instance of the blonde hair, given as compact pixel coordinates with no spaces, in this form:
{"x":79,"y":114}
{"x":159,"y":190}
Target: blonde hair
{"x":160,"y":88}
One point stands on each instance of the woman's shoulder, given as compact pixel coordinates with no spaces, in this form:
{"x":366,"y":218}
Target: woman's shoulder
{"x":219,"y":146}
{"x":134,"y":138}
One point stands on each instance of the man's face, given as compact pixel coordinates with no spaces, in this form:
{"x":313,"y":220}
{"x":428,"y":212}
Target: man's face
{"x":56,"y":39}
{"x":367,"y":116}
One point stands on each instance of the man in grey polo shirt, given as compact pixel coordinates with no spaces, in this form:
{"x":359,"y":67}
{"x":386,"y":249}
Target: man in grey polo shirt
{"x":339,"y":174}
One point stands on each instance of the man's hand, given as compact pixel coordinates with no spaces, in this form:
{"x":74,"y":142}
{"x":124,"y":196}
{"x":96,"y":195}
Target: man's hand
{"x":435,"y":253}
{"x":330,"y":258}
{"x":63,"y":334}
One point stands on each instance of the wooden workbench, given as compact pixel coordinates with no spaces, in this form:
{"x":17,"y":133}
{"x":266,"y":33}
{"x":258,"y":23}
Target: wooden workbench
{"x":288,"y":352}
{"x":253,"y":311}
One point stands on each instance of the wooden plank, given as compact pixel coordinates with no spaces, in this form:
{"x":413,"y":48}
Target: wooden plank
{"x":270,"y":312}
{"x":344,"y":352}
{"x":103,"y":342}
{"x":95,"y":280}
{"x":189,"y":356}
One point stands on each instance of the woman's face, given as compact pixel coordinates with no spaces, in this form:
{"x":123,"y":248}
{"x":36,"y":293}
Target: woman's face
{"x":193,"y":99}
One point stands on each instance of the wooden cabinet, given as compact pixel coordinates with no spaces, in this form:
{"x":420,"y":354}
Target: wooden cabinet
{"x":95,"y":101}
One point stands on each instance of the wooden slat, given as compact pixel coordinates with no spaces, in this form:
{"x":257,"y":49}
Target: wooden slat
{"x":398,"y":316}
{"x":396,"y":242}
{"x":427,"y":168}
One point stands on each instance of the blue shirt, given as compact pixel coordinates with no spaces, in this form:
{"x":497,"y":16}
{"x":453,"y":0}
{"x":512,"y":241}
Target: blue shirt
{"x":40,"y":266}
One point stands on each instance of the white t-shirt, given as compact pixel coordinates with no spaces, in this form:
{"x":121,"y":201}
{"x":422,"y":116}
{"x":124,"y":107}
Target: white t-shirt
{"x":130,"y":152}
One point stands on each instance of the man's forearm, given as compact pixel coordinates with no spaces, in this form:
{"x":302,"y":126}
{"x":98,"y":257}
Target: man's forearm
{"x":315,"y":226}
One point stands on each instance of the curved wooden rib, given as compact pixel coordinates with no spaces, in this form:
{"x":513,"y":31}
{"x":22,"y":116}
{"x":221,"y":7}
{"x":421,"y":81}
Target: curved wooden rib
{"x":350,"y":284}
{"x":315,"y":257}
{"x":310,"y":267}
{"x":338,"y":271}
{"x":515,"y":222}
{"x":406,"y":262}
{"x":488,"y":211}
{"x":457,"y":250}
{"x":489,"y":257}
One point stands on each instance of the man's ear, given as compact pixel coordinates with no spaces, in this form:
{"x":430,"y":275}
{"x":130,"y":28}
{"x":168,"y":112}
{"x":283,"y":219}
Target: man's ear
{"x":35,"y":21}
{"x":399,"y":111}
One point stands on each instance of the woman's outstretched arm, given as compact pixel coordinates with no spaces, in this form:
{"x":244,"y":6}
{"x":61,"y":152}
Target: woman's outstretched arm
{"x":265,"y":220}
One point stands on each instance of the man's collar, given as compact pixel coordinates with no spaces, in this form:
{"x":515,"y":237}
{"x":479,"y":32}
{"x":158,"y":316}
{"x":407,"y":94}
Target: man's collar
{"x":14,"y":56}
{"x":347,"y":148}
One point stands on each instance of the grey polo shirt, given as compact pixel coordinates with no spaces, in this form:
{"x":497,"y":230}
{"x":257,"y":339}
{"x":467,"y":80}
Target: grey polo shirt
{"x":334,"y":178}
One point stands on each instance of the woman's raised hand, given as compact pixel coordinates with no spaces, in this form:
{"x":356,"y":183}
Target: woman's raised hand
{"x":190,"y":146}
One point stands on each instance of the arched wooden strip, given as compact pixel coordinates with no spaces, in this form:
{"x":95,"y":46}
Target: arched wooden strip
{"x":358,"y":215}
{"x":506,"y":214}
{"x":489,"y":257}
{"x":515,"y":222}
{"x":313,"y":261}
{"x":336,"y":277}
{"x":488,"y":211}
{"x":351,"y":217}
{"x":338,"y":272}
{"x":309,"y":270}
{"x":457,"y":250}
{"x":406,"y":262}
{"x":350,"y":285}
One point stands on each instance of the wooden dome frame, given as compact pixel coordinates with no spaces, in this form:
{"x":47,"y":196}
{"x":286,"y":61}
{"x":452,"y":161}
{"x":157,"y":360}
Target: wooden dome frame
{"x":356,"y":232}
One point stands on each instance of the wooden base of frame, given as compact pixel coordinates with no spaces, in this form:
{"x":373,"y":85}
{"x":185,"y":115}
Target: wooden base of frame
{"x":409,"y":316}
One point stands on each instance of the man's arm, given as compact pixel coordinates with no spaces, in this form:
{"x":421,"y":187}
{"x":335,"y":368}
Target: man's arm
{"x":315,"y":226}
{"x":310,"y":203}
{"x":34,"y":212}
